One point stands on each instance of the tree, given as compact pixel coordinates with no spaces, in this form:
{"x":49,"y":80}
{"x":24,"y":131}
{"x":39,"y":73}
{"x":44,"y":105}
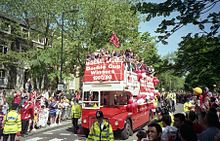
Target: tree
{"x":197,"y":58}
{"x":169,"y":81}
{"x":197,"y":53}
{"x":88,"y":26}
{"x":144,"y":47}
{"x":201,"y":13}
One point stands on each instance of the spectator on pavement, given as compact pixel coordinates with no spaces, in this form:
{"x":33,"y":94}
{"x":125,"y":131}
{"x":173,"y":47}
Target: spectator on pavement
{"x":66,"y":109}
{"x":158,"y":116}
{"x":53,"y":110}
{"x":187,"y":106}
{"x":154,"y":132}
{"x":17,"y":98}
{"x":43,"y":116}
{"x":166,"y":120}
{"x":25,"y":116}
{"x":59,"y":112}
{"x":141,"y":134}
{"x":212,"y":129}
{"x":1,"y":121}
{"x":193,"y":118}
{"x":186,"y":133}
{"x":179,"y":119}
{"x":2,"y":98}
{"x":5,"y":107}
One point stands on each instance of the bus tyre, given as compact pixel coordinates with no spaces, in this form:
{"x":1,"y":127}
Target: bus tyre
{"x":86,"y":132}
{"x":127,"y":131}
{"x":151,"y":115}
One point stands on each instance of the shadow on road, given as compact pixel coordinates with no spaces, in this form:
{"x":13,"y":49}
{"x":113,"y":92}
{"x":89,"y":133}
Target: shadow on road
{"x":81,"y":136}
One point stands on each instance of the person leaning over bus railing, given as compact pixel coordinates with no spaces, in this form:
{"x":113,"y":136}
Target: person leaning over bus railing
{"x":101,"y":129}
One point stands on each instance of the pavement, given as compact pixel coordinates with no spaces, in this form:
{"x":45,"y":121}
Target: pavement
{"x":63,"y":124}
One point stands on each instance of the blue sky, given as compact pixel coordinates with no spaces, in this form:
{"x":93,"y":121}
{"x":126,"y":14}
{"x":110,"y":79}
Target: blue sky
{"x":174,"y":39}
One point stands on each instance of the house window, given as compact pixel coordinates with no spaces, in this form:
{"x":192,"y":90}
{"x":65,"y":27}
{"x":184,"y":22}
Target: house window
{"x":2,"y":76}
{"x":3,"y":49}
{"x":4,"y":26}
{"x":24,"y":33}
{"x":16,"y":29}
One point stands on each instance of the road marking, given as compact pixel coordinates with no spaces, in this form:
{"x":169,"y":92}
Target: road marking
{"x":34,"y":139}
{"x":65,"y":134}
{"x":48,"y":133}
{"x":58,"y":129}
{"x":56,"y":139}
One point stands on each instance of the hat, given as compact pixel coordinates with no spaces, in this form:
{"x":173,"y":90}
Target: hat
{"x":99,"y":114}
{"x":197,"y":90}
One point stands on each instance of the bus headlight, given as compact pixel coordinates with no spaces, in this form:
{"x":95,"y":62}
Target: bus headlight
{"x":116,"y":123}
{"x":84,"y":121}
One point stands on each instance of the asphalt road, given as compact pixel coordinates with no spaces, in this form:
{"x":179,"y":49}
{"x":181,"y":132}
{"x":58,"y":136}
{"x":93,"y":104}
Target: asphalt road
{"x":66,"y":134}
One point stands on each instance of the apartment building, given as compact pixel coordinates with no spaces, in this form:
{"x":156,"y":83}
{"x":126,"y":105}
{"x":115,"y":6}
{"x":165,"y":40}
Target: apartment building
{"x":15,"y":36}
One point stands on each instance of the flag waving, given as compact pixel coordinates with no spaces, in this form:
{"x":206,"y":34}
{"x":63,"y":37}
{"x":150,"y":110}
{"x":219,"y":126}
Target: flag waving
{"x":114,"y":40}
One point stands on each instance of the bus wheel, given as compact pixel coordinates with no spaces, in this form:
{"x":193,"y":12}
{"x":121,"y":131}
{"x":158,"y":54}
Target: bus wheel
{"x":131,"y":130}
{"x":151,"y":115}
{"x":86,"y":132}
{"x":127,"y":131}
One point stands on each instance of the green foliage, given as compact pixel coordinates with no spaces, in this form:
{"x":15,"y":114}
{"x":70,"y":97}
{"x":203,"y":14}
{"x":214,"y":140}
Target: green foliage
{"x":197,"y":57}
{"x":12,"y":58}
{"x":143,"y":45}
{"x":88,"y":25}
{"x":9,"y":99}
{"x":169,"y":81}
{"x":200,"y":13}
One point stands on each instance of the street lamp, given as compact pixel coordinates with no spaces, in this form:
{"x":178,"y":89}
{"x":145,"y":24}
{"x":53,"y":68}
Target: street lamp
{"x":61,"y":55}
{"x":61,"y":85}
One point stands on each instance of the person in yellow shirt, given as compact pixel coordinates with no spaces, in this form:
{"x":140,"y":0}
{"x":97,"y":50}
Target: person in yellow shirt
{"x":187,"y":106}
{"x":101,"y":129}
{"x":76,"y":114}
{"x":12,"y":124}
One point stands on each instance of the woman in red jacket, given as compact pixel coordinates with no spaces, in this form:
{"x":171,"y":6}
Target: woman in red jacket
{"x":26,"y":115}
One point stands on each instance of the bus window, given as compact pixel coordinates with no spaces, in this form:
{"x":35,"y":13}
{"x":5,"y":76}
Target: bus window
{"x":104,"y":99}
{"x":91,"y":99}
{"x":120,"y":99}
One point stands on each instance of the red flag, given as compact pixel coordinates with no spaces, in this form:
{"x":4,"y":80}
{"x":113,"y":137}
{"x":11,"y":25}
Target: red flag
{"x":114,"y":40}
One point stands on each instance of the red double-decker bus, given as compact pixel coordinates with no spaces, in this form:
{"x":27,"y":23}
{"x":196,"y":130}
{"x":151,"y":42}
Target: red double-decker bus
{"x":119,"y":91}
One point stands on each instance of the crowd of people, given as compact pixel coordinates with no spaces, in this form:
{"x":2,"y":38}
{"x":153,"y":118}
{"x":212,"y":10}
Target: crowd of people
{"x":35,"y":109}
{"x":134,"y":63}
{"x":198,"y":122}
